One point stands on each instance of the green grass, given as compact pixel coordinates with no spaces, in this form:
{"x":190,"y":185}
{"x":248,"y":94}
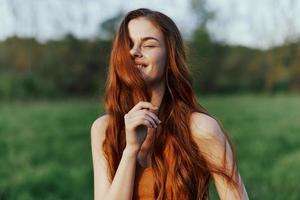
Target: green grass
{"x":45,"y":146}
{"x":45,"y":150}
{"x":266,"y":133}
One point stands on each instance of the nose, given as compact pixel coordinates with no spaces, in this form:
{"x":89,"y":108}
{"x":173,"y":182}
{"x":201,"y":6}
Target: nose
{"x":135,"y":52}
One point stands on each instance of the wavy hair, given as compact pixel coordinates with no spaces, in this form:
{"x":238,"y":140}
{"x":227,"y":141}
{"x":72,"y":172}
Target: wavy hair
{"x":190,"y":173}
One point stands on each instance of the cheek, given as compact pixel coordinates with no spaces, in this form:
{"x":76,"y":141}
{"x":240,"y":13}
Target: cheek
{"x":159,"y":59}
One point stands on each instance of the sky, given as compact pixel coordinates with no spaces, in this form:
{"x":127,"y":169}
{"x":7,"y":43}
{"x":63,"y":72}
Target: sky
{"x":256,"y":24}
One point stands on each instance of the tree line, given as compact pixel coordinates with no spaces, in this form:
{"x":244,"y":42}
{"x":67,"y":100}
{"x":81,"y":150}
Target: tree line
{"x":73,"y":67}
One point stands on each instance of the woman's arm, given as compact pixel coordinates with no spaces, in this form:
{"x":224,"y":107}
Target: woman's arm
{"x":215,"y":149}
{"x":224,"y":189}
{"x":227,"y":192}
{"x":122,"y":184}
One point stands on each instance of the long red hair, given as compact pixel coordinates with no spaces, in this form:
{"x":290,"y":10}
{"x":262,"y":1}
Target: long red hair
{"x":125,"y":87}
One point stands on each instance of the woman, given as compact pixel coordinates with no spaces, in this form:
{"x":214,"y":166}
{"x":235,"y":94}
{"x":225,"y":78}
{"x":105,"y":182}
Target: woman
{"x":156,"y":141}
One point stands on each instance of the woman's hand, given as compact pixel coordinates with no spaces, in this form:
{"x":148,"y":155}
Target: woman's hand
{"x":137,"y":120}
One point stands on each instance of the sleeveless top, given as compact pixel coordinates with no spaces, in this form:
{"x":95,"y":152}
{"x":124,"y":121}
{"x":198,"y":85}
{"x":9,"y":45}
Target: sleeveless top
{"x":143,"y":185}
{"x":144,"y":181}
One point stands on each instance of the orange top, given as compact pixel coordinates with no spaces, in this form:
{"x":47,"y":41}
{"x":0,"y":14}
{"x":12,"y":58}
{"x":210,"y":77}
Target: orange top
{"x":144,"y":181}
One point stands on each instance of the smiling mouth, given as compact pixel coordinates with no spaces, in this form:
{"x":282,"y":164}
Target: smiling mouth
{"x":141,"y":66}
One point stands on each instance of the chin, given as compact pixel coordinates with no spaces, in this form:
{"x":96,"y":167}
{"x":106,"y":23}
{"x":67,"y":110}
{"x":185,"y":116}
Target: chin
{"x":152,"y":83}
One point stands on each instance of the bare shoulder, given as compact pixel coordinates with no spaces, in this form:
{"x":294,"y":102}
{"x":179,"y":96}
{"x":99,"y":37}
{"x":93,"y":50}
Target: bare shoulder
{"x":100,"y":165}
{"x":98,"y":130}
{"x":209,"y":137}
{"x":204,"y":126}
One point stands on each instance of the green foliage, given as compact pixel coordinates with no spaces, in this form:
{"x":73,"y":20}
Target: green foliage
{"x":57,"y":68}
{"x":205,"y":58}
{"x":221,"y":68}
{"x":73,"y":67}
{"x":25,"y":86}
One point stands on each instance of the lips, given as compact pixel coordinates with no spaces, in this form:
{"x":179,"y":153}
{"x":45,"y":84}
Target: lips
{"x":140,"y":65}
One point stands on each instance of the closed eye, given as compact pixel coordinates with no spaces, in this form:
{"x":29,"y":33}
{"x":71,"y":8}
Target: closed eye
{"x":149,"y":46}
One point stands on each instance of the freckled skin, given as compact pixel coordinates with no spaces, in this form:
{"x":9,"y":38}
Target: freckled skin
{"x":151,"y":51}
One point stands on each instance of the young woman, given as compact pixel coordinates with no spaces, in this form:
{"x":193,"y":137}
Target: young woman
{"x":156,"y":141}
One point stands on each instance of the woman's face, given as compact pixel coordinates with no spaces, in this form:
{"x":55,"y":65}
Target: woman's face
{"x":147,"y":49}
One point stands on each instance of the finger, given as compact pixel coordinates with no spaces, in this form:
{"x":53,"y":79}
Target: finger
{"x":137,"y":124}
{"x":153,"y":116}
{"x":137,"y":121}
{"x":144,"y":121}
{"x":143,"y":105}
{"x":145,"y":117}
{"x":142,"y":112}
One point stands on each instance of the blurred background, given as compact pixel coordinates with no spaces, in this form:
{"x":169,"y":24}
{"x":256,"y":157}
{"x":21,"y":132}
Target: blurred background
{"x":245,"y":60}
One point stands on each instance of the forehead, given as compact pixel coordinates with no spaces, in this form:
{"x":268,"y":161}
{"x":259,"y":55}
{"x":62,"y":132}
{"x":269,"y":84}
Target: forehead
{"x":141,"y":27}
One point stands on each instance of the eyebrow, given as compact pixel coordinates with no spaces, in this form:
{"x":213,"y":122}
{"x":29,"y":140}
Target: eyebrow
{"x":149,"y":38}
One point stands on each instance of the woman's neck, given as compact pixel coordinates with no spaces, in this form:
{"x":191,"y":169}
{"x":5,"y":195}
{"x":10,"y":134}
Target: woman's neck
{"x":157,"y":94}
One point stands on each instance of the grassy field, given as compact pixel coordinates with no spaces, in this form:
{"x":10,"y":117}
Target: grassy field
{"x":45,"y":146}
